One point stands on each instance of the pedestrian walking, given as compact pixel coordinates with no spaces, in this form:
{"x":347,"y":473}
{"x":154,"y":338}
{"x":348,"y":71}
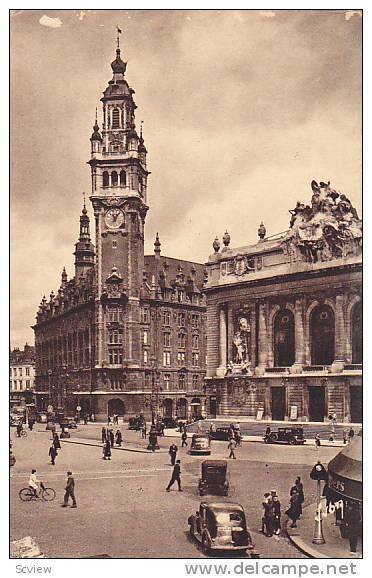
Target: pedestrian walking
{"x":19,"y":428}
{"x":238,"y":438}
{"x":351,"y":434}
{"x":277,"y":513}
{"x":53,"y":454}
{"x":111,"y":437}
{"x":294,"y":510}
{"x":268,"y":431}
{"x":317,"y":441}
{"x":107,"y":450}
{"x":173,"y":449}
{"x":176,"y":476}
{"x":92,"y":417}
{"x":344,"y":436}
{"x":69,"y":491}
{"x":231,"y":432}
{"x":56,"y":442}
{"x":31,"y":423}
{"x":184,"y":439}
{"x":143,"y":430}
{"x":104,"y":435}
{"x":108,"y":420}
{"x":232,"y":446}
{"x":299,"y":488}
{"x":119,"y":437}
{"x":268,"y":515}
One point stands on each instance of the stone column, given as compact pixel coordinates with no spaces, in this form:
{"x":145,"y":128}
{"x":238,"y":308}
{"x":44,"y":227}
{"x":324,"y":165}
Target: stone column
{"x":269,"y":340}
{"x":347,"y":414}
{"x":253,"y":352}
{"x":340,"y":342}
{"x":299,"y":338}
{"x":223,"y":341}
{"x":267,"y":412}
{"x":262,"y":339}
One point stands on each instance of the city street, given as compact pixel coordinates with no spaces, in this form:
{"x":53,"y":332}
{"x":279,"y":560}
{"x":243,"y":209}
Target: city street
{"x":123,"y":508}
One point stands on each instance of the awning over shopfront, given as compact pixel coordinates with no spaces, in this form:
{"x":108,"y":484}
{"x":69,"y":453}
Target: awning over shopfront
{"x":345,"y":471}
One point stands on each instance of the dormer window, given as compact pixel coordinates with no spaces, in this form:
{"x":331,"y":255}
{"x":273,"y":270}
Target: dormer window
{"x":116,"y":118}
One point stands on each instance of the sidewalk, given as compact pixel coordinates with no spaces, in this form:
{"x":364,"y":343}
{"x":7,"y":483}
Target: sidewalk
{"x":335,"y":546}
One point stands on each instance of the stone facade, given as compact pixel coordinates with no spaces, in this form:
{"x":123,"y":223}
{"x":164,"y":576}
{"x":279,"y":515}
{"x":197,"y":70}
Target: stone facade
{"x":127,"y":333}
{"x":22,"y":375}
{"x":284,"y":318}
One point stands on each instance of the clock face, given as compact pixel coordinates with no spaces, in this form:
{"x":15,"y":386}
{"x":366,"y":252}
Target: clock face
{"x":114,"y":218}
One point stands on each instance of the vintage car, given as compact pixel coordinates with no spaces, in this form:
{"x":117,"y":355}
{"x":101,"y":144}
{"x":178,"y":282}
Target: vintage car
{"x":135,"y":423}
{"x":68,"y":423}
{"x":214,"y":478}
{"x":169,"y":422}
{"x":200,"y":444}
{"x":220,"y":526}
{"x":286,"y":435}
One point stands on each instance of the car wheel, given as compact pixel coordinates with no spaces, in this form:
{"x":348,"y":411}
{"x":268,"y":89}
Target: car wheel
{"x":292,"y":442}
{"x":205,"y":544}
{"x":273,"y":437}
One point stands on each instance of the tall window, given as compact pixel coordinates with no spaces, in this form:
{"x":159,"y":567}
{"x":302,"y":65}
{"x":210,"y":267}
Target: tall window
{"x":167,"y":381}
{"x":181,"y":381}
{"x":123,"y":178}
{"x":114,"y":179}
{"x":115,"y":356}
{"x":356,"y":333}
{"x":145,"y":337}
{"x":166,"y":318}
{"x":181,"y":340}
{"x":181,"y":319}
{"x":195,"y":381}
{"x":145,"y":315}
{"x":166,"y":358}
{"x":105,"y":179}
{"x":27,"y":371}
{"x":322,"y":335}
{"x":195,"y":341}
{"x":116,"y":118}
{"x":114,"y":314}
{"x":195,"y":359}
{"x":115,"y":337}
{"x":195,"y":321}
{"x":145,"y":356}
{"x":181,"y":358}
{"x":166,"y":339}
{"x":284,"y":339}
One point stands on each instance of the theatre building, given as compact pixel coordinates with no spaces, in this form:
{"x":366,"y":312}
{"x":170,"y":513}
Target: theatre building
{"x":284,"y":321}
{"x":127,"y":333}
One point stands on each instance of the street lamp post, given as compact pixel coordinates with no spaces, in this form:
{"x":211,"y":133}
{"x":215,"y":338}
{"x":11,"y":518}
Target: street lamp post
{"x":49,"y":387}
{"x":319,"y":474}
{"x":154,"y":390}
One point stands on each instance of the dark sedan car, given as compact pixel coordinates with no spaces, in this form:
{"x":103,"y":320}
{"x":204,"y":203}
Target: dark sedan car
{"x":286,"y":435}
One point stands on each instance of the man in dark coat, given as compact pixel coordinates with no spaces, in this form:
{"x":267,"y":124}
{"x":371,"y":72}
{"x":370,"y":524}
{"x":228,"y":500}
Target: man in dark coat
{"x":184,"y":439}
{"x":112,"y":438}
{"x":104,"y":435}
{"x":354,"y":526}
{"x":176,"y":477}
{"x":173,"y":449}
{"x":69,"y":491}
{"x":268,"y":515}
{"x":119,"y":437}
{"x":107,"y":450}
{"x":31,"y":423}
{"x":277,"y":513}
{"x":294,"y":510}
{"x":299,"y":487}
{"x":53,"y":454}
{"x":56,"y":441}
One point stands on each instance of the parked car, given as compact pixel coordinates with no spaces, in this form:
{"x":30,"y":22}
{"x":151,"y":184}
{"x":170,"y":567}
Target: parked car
{"x":214,"y":478}
{"x":222,"y":432}
{"x":41,"y":417}
{"x":286,"y":435}
{"x":200,"y":444}
{"x":220,"y":526}
{"x":135,"y":423}
{"x":169,"y":422}
{"x":68,"y":422}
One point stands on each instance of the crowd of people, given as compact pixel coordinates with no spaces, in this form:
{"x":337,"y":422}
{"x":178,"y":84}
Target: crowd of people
{"x":272,"y":514}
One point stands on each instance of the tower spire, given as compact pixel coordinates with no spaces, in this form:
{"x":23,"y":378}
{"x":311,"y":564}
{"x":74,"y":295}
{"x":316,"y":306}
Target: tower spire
{"x":118,"y":31}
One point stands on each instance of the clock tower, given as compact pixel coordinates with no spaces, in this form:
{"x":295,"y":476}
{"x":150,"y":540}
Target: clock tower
{"x":119,"y":183}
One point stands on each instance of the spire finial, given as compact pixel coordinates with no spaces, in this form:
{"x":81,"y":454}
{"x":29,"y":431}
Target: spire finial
{"x":141,"y":129}
{"x":84,"y":207}
{"x":157,"y":245}
{"x":96,"y":116}
{"x":118,"y":31}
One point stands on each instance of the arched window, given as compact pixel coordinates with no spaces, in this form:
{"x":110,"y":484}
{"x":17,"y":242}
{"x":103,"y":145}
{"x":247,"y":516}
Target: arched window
{"x":356,"y":333}
{"x":322,"y":335}
{"x":123,"y":178}
{"x":106,"y":179}
{"x":284,"y":339}
{"x":114,"y":179}
{"x":115,"y":118}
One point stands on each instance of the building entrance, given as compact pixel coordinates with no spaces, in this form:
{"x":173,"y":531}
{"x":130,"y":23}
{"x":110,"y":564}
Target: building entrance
{"x":356,"y":403}
{"x":316,"y":403}
{"x":213,"y":407}
{"x":278,"y":403}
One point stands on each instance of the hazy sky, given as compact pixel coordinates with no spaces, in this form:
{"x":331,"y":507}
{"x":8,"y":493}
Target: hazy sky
{"x":241,"y":110}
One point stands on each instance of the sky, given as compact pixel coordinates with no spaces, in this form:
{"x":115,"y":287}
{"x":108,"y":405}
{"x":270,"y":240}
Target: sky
{"x":241,"y":110}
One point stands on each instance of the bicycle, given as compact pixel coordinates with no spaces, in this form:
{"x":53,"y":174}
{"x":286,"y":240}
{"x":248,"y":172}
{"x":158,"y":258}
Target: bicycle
{"x":22,"y":433}
{"x":46,"y":494}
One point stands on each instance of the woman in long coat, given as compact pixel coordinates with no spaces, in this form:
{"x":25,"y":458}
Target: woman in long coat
{"x":56,"y":442}
{"x":107,"y":450}
{"x":294,"y":510}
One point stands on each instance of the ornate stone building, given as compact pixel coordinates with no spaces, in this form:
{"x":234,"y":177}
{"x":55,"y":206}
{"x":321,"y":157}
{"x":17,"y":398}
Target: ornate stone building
{"x":22,"y":375}
{"x":284,"y":318}
{"x":127,"y":333}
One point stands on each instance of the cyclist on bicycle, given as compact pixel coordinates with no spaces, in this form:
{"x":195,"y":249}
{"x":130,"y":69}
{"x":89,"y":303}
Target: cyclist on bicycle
{"x":33,"y":482}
